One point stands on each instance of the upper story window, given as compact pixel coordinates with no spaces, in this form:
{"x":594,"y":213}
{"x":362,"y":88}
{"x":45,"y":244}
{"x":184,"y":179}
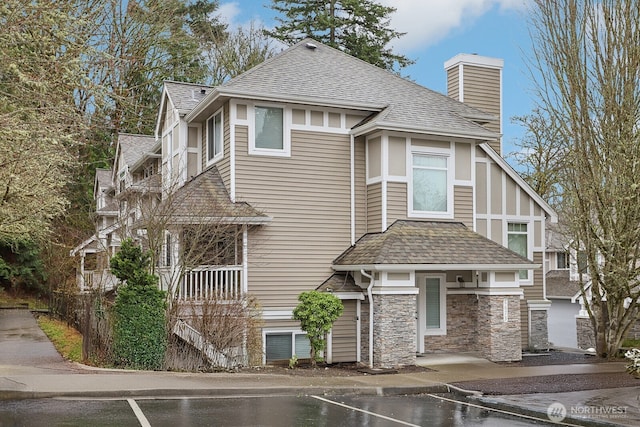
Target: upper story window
{"x":431,"y":185}
{"x":562,"y":260}
{"x":214,"y":137}
{"x":148,"y":170}
{"x":269,"y":133}
{"x":517,"y":241}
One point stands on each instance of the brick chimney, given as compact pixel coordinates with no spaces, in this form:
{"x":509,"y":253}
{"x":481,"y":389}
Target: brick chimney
{"x":477,"y":81}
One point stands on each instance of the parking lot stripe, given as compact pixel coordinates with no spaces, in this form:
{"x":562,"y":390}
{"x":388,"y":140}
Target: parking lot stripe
{"x":500,"y":410}
{"x":139,"y":414}
{"x":353,"y":408}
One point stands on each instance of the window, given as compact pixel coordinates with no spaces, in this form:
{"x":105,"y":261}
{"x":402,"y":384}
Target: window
{"x":212,"y":247}
{"x":283,"y":345}
{"x":433,"y":299}
{"x":581,"y":262}
{"x":562,"y":260}
{"x":430,"y":183}
{"x":517,"y":241}
{"x":167,"y":250}
{"x":214,"y":136}
{"x":269,"y":129}
{"x":148,"y":170}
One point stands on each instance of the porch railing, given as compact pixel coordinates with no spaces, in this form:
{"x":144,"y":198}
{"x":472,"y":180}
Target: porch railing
{"x":98,"y":280}
{"x":211,"y":282}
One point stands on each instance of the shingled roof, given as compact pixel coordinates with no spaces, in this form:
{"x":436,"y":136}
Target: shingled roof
{"x":429,"y":244}
{"x":205,"y":198}
{"x":134,"y":146}
{"x":560,"y":286}
{"x":185,"y":96}
{"x":313,"y":73}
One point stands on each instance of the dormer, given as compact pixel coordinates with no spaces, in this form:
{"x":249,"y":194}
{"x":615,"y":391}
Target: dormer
{"x":181,"y":143}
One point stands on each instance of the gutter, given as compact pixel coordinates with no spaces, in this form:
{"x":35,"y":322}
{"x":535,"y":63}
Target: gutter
{"x":370,"y":296}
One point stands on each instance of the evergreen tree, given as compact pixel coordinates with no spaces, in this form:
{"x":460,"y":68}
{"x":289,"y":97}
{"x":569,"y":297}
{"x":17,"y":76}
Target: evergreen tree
{"x":357,"y":27}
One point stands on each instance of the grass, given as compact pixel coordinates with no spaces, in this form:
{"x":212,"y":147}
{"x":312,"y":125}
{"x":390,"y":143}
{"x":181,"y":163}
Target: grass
{"x":628,"y":343}
{"x":65,"y":339}
{"x":9,"y":300}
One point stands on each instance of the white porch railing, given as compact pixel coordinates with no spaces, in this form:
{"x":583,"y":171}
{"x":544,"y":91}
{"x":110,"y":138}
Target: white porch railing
{"x":208,"y":282}
{"x":101,"y":280}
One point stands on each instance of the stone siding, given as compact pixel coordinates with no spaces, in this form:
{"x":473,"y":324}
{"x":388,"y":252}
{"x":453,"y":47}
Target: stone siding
{"x":539,"y":335}
{"x":462,"y":334}
{"x":394,"y":330}
{"x":499,"y":338}
{"x":364,"y":332}
{"x":586,"y":335}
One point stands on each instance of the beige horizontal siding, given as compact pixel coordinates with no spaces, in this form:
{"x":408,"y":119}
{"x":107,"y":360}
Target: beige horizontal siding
{"x":482,"y":90}
{"x":453,"y":79}
{"x":396,"y":201}
{"x":374,"y":208}
{"x":308,"y":197}
{"x":463,"y":205}
{"x":360,"y":187}
{"x":344,"y":334}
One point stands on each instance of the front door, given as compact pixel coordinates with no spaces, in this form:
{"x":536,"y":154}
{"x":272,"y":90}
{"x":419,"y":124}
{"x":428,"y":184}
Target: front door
{"x":431,"y":310}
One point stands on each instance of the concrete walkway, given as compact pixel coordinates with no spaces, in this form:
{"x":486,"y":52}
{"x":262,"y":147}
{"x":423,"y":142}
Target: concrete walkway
{"x":57,"y":378}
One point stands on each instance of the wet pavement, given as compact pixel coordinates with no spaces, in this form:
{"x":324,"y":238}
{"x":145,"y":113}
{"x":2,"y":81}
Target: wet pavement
{"x":25,"y":348}
{"x":31,"y":368}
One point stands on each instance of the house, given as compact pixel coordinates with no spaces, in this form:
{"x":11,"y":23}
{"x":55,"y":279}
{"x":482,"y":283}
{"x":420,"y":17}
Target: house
{"x":562,"y":289}
{"x":337,"y":175}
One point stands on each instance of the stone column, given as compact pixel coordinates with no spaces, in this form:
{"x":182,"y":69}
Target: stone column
{"x":538,"y":329}
{"x":499,"y":337}
{"x":585,"y":333}
{"x":394,"y":330}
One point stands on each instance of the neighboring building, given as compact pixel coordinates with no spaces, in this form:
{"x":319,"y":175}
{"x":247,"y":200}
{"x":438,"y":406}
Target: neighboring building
{"x":341,"y":176}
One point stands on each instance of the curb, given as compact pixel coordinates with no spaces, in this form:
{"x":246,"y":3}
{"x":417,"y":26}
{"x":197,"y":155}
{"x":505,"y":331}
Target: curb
{"x":228,"y":392}
{"x":568,"y":420}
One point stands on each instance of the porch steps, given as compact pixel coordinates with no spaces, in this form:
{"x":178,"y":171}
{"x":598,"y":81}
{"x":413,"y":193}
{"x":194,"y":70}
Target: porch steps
{"x":217,"y":359}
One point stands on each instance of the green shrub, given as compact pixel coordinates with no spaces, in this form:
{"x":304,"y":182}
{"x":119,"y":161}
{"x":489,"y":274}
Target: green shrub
{"x":316,"y":312}
{"x":139,"y":335}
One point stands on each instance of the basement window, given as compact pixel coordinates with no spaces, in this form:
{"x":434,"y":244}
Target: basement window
{"x":281,"y":346}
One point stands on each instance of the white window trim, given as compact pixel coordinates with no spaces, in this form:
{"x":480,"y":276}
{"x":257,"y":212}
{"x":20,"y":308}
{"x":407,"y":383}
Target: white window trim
{"x":422,"y":327}
{"x":286,"y":131}
{"x":529,"y":224}
{"x":197,"y":149}
{"x":450,"y":178}
{"x":266,"y":332}
{"x":216,"y":157}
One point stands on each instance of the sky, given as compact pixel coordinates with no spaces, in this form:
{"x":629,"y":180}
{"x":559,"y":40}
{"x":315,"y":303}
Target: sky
{"x":437,"y":30}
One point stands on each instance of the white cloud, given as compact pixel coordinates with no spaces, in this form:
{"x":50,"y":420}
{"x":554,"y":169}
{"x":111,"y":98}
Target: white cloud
{"x":229,"y":12}
{"x":428,"y":21}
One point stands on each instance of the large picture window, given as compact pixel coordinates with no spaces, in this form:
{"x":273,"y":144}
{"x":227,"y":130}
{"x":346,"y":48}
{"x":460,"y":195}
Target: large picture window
{"x":214,"y":136}
{"x":517,"y":242}
{"x":430,"y":183}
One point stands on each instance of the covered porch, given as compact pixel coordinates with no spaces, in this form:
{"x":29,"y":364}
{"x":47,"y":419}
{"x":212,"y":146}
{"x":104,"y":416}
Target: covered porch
{"x":436,"y":286}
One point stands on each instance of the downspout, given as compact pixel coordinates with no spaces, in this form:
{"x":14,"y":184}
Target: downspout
{"x":370,"y":296}
{"x":353,"y":190}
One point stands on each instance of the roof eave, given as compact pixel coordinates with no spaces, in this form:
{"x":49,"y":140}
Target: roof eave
{"x":186,"y":220}
{"x":435,"y":267}
{"x":390,"y":126}
{"x":289,"y":99}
